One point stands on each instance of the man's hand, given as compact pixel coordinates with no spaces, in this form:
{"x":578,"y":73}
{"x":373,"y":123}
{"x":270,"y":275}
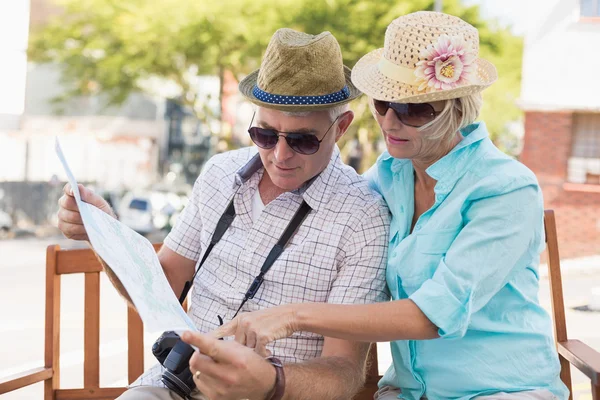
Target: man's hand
{"x":69,"y":218}
{"x":259,"y":328}
{"x":228,"y":370}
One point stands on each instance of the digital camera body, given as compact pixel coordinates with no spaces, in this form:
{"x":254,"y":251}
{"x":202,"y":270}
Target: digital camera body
{"x":174,"y":355}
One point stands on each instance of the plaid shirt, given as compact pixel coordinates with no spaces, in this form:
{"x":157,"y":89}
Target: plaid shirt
{"x":337,"y":255}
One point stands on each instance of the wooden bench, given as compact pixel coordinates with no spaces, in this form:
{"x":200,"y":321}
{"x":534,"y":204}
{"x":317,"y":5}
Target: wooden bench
{"x":61,"y":262}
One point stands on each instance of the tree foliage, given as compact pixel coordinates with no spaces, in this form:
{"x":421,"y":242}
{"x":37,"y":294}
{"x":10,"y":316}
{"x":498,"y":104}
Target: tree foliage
{"x":116,"y":47}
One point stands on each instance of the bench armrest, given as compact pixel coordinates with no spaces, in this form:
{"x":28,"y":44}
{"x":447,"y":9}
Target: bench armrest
{"x":583,"y":357}
{"x":23,"y":379}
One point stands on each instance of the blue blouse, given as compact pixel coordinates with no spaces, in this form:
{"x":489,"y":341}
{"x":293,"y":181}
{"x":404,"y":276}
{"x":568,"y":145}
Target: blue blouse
{"x":471,"y":266}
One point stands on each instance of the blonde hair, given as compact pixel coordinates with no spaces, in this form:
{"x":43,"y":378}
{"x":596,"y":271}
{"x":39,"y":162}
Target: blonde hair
{"x":438,"y":134}
{"x":457,"y":114}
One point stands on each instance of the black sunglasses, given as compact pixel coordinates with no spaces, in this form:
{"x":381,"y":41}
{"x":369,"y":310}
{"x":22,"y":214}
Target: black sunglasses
{"x":303,"y":143}
{"x":410,"y":114}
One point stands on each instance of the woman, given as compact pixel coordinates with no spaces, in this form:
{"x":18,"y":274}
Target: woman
{"x":465,"y":237}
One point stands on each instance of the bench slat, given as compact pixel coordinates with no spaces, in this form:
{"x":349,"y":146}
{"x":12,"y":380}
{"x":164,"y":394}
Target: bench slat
{"x":81,"y":261}
{"x":91,"y":328}
{"x":52,"y":318}
{"x":135,"y":345}
{"x":91,"y":394}
{"x":77,"y":261}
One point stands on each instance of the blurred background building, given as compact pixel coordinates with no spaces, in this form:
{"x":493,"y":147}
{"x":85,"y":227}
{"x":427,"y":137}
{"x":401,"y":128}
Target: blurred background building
{"x":561,"y":100}
{"x":146,"y":141}
{"x":548,"y":105}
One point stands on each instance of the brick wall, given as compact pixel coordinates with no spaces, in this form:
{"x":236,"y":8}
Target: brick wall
{"x":547,"y":144}
{"x":547,"y":148}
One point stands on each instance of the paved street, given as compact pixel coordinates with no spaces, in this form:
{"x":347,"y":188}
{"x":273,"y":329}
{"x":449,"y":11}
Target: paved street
{"x":22,"y":296}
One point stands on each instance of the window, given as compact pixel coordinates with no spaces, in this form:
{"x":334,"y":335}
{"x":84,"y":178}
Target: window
{"x":590,"y":8}
{"x":584,"y":164}
{"x":137,"y":204}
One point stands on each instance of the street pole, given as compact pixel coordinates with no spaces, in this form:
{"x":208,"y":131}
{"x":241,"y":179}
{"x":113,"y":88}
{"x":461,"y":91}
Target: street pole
{"x":438,"y":5}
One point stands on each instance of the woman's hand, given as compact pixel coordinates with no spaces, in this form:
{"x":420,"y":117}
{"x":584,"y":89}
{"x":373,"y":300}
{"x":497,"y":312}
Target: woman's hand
{"x":259,"y":328}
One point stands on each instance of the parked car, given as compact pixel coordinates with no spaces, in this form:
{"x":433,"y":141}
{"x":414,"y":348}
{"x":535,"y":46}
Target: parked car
{"x":135,"y":211}
{"x":148,"y":211}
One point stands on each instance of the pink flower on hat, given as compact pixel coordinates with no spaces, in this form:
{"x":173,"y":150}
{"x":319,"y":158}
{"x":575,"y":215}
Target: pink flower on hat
{"x":445,"y":65}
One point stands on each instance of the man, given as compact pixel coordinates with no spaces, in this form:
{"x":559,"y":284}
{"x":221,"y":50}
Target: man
{"x":335,"y":252}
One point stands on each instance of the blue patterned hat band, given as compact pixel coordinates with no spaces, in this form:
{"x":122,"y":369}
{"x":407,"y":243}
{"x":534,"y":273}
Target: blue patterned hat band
{"x":301,"y":100}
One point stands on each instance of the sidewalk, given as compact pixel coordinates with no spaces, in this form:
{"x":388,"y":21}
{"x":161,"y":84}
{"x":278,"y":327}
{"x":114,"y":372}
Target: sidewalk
{"x":575,"y":266}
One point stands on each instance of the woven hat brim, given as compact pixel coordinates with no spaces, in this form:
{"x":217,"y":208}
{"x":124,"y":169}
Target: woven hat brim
{"x":368,"y":78}
{"x":247,"y":85}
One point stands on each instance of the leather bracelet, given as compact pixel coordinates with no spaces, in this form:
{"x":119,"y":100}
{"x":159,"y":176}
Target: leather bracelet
{"x":279,"y":388}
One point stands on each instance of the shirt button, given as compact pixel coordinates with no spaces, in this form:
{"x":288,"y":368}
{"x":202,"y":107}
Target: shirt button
{"x":439,"y":197}
{"x":418,"y":228}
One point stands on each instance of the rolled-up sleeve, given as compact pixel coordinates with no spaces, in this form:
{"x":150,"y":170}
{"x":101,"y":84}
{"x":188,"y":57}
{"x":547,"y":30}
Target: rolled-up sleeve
{"x":501,"y":234}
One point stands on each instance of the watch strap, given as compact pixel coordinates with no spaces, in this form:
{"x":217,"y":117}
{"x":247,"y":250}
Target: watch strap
{"x":279,"y":389}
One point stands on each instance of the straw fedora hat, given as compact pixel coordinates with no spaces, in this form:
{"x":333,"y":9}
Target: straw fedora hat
{"x":427,"y":56}
{"x":300,"y":72}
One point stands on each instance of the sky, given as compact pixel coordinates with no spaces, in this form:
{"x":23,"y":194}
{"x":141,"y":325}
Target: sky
{"x":13,"y":42}
{"x":516,"y":13}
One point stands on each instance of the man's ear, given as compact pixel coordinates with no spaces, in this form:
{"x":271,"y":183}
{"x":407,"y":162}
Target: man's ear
{"x":343,"y":123}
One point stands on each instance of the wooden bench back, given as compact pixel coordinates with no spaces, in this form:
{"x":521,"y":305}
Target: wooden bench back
{"x":60,"y":262}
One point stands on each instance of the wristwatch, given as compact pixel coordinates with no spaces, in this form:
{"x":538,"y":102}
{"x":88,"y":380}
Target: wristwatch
{"x":279,"y":389}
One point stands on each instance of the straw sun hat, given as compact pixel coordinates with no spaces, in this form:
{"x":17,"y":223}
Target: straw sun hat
{"x":427,"y":56}
{"x":300,"y":72}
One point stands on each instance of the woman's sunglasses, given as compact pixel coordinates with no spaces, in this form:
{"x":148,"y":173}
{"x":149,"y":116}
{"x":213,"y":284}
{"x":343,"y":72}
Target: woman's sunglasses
{"x":303,"y":143}
{"x":410,"y":114}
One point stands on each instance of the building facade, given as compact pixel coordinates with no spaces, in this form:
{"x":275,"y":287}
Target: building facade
{"x":561,"y":100}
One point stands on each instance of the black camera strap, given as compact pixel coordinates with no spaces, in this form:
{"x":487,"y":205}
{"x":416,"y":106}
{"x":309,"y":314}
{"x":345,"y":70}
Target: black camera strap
{"x":177,"y":375}
{"x":222,"y":226}
{"x":275,"y":253}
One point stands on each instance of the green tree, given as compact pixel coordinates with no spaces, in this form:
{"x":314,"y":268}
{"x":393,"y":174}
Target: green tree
{"x":118,"y":47}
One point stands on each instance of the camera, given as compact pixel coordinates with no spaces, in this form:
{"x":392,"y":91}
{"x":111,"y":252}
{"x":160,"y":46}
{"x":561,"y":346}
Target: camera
{"x":174,"y":355}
